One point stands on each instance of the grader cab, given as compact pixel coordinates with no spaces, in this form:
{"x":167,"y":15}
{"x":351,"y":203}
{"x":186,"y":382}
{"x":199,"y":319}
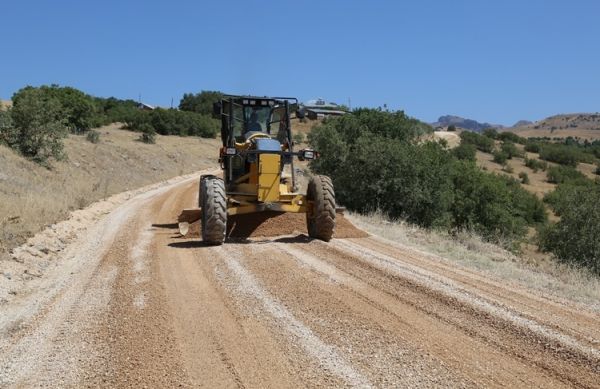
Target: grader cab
{"x":257,"y":160}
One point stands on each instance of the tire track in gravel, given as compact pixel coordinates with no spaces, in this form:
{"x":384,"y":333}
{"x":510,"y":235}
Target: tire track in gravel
{"x":149,"y":308}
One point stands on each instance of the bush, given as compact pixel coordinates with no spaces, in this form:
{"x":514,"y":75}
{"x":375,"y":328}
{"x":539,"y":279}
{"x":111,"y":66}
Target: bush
{"x":490,"y":133}
{"x":78,"y":108}
{"x":508,"y":168}
{"x":597,"y":168}
{"x":465,"y":151}
{"x":201,"y":103}
{"x":452,"y":128}
{"x":508,"y":136}
{"x":39,"y":125}
{"x":536,"y":164}
{"x":93,"y":136}
{"x":532,"y":147}
{"x":524,"y":178}
{"x":564,"y":155}
{"x":481,"y":142}
{"x":148,"y":133}
{"x":511,"y":150}
{"x":8,"y":133}
{"x":500,"y":157}
{"x":387,"y":169}
{"x":560,"y":174}
{"x":173,"y":122}
{"x":298,"y":137}
{"x":575,"y":239}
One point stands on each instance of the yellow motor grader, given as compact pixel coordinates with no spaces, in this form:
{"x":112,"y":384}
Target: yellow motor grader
{"x":257,"y":160}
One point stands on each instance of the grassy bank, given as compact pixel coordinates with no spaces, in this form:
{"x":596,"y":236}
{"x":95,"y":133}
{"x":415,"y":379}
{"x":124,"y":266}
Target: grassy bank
{"x":32,"y":197}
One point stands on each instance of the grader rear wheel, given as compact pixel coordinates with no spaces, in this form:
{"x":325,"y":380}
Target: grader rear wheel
{"x":213,"y":202}
{"x":320,"y":218}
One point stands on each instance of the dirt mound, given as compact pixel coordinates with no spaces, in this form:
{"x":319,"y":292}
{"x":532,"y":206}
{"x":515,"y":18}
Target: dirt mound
{"x":267,"y":224}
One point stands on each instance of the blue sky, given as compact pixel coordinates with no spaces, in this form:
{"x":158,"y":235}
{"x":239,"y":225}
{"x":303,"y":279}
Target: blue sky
{"x":495,"y":61}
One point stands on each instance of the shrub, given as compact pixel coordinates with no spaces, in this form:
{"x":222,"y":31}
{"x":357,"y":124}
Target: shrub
{"x":575,"y":238}
{"x":532,"y":147}
{"x":39,"y":125}
{"x":8,"y":133}
{"x":452,"y":128}
{"x":465,"y":151}
{"x":508,"y":168}
{"x":77,"y":108}
{"x":173,"y":122}
{"x":524,"y":178}
{"x":482,"y":143}
{"x":93,"y":136}
{"x":560,"y":174}
{"x":510,"y":150}
{"x":490,"y":133}
{"x":388,"y":170}
{"x":508,"y":136}
{"x":564,"y":155}
{"x":536,"y":164}
{"x":500,"y":157}
{"x":597,"y":168}
{"x":148,"y":133}
{"x":200,"y":102}
{"x":298,"y":137}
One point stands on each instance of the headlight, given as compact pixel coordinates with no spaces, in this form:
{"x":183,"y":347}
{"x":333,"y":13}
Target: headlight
{"x":307,"y":154}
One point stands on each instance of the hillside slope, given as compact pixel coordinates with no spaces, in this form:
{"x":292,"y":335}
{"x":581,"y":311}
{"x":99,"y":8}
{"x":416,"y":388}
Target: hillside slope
{"x":582,"y":125}
{"x":32,"y":196}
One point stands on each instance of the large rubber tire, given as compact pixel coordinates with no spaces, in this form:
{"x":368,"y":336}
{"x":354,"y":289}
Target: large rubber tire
{"x":213,"y":202}
{"x":320,"y":219}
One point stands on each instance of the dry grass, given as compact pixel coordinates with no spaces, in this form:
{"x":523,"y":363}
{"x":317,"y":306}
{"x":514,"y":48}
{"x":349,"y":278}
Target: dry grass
{"x":5,"y":104}
{"x":538,"y":183}
{"x":565,"y":133}
{"x":305,"y":127}
{"x":582,"y":125}
{"x":32,"y":197}
{"x":541,"y":273}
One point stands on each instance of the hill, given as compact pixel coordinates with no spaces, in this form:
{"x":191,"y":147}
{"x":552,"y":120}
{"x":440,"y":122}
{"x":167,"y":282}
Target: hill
{"x":582,"y":125}
{"x":460,"y":122}
{"x":32,"y":196}
{"x":5,"y":104}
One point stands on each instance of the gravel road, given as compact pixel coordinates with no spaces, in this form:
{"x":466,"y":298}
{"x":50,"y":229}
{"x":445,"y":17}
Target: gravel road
{"x":132,"y":304}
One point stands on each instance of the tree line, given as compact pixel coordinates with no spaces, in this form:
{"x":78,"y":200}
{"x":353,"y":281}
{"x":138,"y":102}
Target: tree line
{"x":41,"y":117}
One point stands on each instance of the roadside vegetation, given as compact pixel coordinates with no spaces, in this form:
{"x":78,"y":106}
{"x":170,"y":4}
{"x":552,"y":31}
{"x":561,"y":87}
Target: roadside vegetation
{"x":574,"y":236}
{"x":41,"y":117}
{"x":377,"y":164}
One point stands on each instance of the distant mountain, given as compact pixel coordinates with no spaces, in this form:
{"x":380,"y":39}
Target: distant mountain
{"x":522,"y":123}
{"x":467,"y":124}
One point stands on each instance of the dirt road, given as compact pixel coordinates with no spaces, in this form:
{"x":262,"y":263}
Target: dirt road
{"x":136,"y":305}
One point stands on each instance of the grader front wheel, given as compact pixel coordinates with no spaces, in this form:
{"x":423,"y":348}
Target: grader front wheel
{"x":213,"y":202}
{"x":320,"y":218}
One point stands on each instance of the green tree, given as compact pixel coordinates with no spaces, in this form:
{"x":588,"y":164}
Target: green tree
{"x":39,"y":120}
{"x":575,"y":238}
{"x":8,"y":133}
{"x":490,"y":133}
{"x":465,"y":151}
{"x":200,"y":102}
{"x":78,"y":108}
{"x":500,"y":157}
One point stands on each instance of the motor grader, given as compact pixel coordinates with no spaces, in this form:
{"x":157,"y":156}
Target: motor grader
{"x":257,"y":161}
